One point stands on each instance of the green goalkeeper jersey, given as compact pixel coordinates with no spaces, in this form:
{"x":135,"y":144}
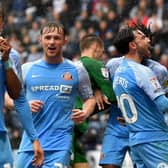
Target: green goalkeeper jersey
{"x":99,"y":78}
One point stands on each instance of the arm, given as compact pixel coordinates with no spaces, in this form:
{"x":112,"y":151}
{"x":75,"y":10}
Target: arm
{"x":24,"y":114}
{"x":100,"y":82}
{"x":86,"y":94}
{"x":99,"y":77}
{"x":101,"y":100}
{"x":162,"y":103}
{"x":13,"y":84}
{"x":22,"y":108}
{"x":88,"y":107}
{"x":8,"y":102}
{"x":160,"y":71}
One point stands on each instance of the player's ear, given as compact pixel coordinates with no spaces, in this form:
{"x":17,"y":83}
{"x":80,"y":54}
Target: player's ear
{"x":39,"y":39}
{"x":66,"y":39}
{"x":132,"y":45}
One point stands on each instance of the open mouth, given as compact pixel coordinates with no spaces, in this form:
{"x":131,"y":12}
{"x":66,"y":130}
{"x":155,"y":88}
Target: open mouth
{"x":52,"y":49}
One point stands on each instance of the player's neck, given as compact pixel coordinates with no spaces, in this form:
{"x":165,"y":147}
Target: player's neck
{"x":133,"y":57}
{"x":54,"y":59}
{"x":87,"y":52}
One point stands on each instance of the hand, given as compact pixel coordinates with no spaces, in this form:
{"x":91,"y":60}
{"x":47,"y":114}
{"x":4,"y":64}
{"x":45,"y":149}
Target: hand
{"x":38,"y":154}
{"x":79,"y":115}
{"x":36,"y":105}
{"x":100,"y":99}
{"x":5,"y":48}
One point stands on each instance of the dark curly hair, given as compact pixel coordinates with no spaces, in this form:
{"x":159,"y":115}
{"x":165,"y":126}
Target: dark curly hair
{"x":125,"y":36}
{"x":144,"y":29}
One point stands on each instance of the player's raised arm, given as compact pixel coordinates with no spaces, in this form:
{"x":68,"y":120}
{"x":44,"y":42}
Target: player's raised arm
{"x":13,"y":84}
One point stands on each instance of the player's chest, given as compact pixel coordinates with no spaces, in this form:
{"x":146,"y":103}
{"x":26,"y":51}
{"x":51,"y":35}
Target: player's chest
{"x":52,"y":78}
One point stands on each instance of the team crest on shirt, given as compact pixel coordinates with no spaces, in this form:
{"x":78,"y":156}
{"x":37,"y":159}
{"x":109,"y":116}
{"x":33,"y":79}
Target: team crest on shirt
{"x":67,"y":76}
{"x":105,"y":73}
{"x":162,"y":165}
{"x":155,"y":84}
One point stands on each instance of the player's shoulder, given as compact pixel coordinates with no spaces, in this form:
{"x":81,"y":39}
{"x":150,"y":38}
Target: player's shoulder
{"x":79,"y":65}
{"x":69,"y":62}
{"x":14,"y":55}
{"x":138,"y":66}
{"x":87,"y":61}
{"x":156,"y":66}
{"x":26,"y":67}
{"x":14,"y":52}
{"x":81,"y":69}
{"x":75,"y":66}
{"x":29,"y":64}
{"x":114,"y":61}
{"x":132,"y":67}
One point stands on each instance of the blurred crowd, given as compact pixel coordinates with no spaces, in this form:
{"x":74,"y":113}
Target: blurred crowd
{"x":102,"y":17}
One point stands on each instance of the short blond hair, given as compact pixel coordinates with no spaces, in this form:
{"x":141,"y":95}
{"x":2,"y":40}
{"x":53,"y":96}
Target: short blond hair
{"x":90,"y":39}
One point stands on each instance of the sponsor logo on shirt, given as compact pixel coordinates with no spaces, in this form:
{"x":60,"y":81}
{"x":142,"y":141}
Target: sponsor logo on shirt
{"x":67,"y":76}
{"x":61,"y":88}
{"x":105,"y":73}
{"x":65,"y":89}
{"x":155,"y":84}
{"x":45,"y":88}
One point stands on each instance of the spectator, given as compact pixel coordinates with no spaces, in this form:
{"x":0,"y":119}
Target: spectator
{"x":164,"y":60}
